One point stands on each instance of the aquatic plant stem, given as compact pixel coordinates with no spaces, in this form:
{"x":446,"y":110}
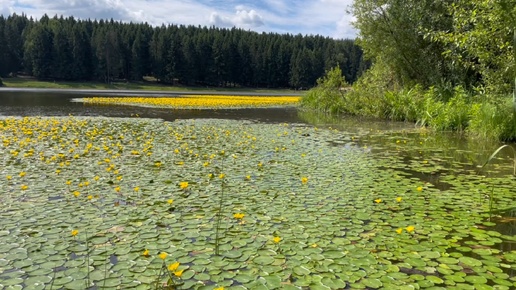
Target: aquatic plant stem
{"x":87,"y":259}
{"x":219,"y":216}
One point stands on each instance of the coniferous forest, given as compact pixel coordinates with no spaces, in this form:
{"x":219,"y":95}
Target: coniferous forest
{"x":80,"y":50}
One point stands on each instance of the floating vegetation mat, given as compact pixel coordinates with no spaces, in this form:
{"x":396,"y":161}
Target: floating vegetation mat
{"x":197,"y":101}
{"x":211,"y":204}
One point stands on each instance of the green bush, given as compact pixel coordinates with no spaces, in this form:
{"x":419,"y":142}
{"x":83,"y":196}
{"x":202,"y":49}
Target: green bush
{"x":328,"y":95}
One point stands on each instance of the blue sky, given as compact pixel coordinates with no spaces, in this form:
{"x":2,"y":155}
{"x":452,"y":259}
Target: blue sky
{"x":323,"y":17}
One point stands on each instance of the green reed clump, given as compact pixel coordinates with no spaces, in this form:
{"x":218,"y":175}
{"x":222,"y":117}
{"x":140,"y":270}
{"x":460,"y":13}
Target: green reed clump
{"x":443,"y":107}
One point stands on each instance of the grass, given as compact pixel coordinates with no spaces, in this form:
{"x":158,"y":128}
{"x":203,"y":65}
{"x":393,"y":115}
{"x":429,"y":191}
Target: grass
{"x":143,"y":85}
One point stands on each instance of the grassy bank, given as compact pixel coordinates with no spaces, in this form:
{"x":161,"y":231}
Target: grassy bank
{"x":444,"y":108}
{"x":144,"y":85}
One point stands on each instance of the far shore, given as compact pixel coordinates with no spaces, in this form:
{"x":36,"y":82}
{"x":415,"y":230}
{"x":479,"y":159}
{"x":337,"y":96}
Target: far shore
{"x":132,"y":88}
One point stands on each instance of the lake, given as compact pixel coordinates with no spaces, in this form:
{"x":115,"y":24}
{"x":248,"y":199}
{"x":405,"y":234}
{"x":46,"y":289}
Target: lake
{"x":277,"y":198}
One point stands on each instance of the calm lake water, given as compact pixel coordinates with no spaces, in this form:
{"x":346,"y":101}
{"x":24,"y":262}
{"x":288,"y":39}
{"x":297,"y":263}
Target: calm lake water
{"x":452,"y":153}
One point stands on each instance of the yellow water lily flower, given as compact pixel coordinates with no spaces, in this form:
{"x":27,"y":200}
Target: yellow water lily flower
{"x":137,"y":189}
{"x":163,"y":255}
{"x":170,"y":201}
{"x":219,"y":288}
{"x":183,"y":184}
{"x":9,"y":177}
{"x":410,"y":229}
{"x":24,"y":187}
{"x":117,"y":189}
{"x":398,"y":199}
{"x":74,"y":233}
{"x":178,"y":273}
{"x":378,"y":200}
{"x":222,"y":175}
{"x":173,"y":267}
{"x":304,"y":180}
{"x":419,"y":188}
{"x":90,"y":196}
{"x":276,"y":239}
{"x":399,"y":230}
{"x":238,"y":216}
{"x":76,"y":193}
{"x":248,"y":177}
{"x":146,"y":253}
{"x":23,"y":173}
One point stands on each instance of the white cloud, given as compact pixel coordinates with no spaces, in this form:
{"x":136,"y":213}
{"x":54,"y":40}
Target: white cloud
{"x":242,"y":18}
{"x":323,"y":17}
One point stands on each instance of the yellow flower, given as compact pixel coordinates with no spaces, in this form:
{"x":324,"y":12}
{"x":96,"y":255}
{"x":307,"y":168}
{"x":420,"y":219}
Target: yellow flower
{"x":222,"y":175}
{"x":74,"y":233}
{"x":173,"y":267}
{"x":178,"y":273}
{"x":210,"y":175}
{"x":24,"y":187}
{"x":398,"y":199}
{"x":96,"y":178}
{"x":276,"y":239}
{"x":176,"y":151}
{"x":76,"y":193}
{"x":378,"y":200}
{"x":68,"y":182}
{"x":157,"y":164}
{"x":86,"y":183}
{"x":163,"y":255}
{"x":238,"y":216}
{"x":58,"y":171}
{"x":146,"y":253}
{"x":170,"y":201}
{"x":9,"y":177}
{"x":304,"y":180}
{"x":136,"y":189}
{"x":183,"y":184}
{"x":206,"y":164}
{"x":90,"y":196}
{"x":119,"y":177}
{"x":314,"y":245}
{"x":23,"y":173}
{"x":419,"y":188}
{"x":425,"y":161}
{"x":117,"y":189}
{"x":410,"y":229}
{"x":399,"y":231}
{"x":248,"y":177}
{"x":260,"y":164}
{"x":219,"y":288}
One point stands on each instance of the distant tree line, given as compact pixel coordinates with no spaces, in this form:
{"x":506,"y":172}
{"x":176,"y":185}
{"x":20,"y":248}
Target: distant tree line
{"x":70,"y":49}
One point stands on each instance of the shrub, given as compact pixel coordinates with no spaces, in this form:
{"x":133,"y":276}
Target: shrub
{"x":328,"y":95}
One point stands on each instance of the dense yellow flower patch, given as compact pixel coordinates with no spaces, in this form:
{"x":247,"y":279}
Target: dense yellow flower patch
{"x":198,"y":101}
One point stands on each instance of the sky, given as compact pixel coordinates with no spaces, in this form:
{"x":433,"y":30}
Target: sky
{"x":322,"y":17}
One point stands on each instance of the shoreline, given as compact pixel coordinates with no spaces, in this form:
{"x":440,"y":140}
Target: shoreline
{"x":133,"y":92}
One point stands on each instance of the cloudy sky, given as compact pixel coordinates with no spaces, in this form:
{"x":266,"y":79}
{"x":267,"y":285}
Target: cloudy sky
{"x":323,"y":17}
